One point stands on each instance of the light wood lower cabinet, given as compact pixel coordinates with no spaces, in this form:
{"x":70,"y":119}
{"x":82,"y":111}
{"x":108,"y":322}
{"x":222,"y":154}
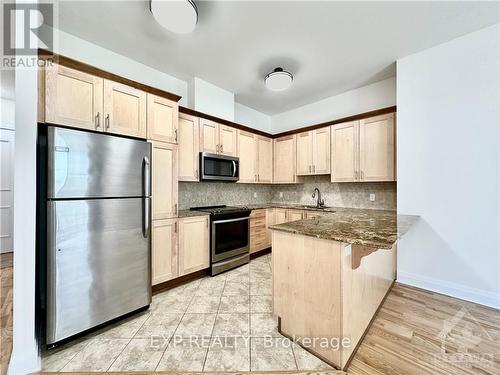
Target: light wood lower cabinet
{"x":189,"y":147}
{"x":194,"y":253}
{"x":162,"y":119}
{"x":258,"y":231}
{"x":164,"y":180}
{"x":164,"y":264}
{"x":73,"y":98}
{"x":124,"y":109}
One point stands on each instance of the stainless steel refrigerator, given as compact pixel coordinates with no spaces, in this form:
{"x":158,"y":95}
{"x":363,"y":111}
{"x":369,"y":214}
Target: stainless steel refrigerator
{"x":98,"y":230}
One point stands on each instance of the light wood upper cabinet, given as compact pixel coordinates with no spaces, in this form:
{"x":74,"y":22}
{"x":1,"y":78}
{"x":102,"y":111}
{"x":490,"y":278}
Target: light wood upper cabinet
{"x":284,"y":159}
{"x":209,"y":136}
{"x":164,"y":180}
{"x":376,"y":148}
{"x":313,"y":152}
{"x":364,"y":150}
{"x":247,"y":152}
{"x":189,"y":147}
{"x":194,"y":253}
{"x":217,"y":139}
{"x":162,"y":119}
{"x":321,"y":151}
{"x":345,"y":152}
{"x":304,"y":153}
{"x":124,"y":109}
{"x":73,"y":98}
{"x":227,"y":140}
{"x":264,"y":160}
{"x":164,"y":262}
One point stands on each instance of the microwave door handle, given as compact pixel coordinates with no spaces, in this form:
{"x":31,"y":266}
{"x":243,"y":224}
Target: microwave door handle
{"x":234,"y":168}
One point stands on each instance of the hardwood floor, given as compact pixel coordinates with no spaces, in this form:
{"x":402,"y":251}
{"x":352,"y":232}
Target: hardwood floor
{"x":420,"y":332}
{"x":5,"y":310}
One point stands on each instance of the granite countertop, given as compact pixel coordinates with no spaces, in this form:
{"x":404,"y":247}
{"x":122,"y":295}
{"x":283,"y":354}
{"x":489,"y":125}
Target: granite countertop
{"x":189,"y":213}
{"x":374,"y":228}
{"x":296,"y":206}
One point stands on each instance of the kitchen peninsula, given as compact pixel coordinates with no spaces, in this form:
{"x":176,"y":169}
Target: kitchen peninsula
{"x":331,"y":274}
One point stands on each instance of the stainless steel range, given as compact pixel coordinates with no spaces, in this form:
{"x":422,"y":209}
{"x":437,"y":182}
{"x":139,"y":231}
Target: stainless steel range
{"x":229,"y":237}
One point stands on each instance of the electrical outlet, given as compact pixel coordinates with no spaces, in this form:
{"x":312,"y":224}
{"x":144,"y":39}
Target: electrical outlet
{"x":281,"y":194}
{"x":372,"y":197}
{"x":255,"y":194}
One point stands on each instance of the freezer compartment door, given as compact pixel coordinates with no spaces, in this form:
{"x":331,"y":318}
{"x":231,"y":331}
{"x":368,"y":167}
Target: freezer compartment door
{"x":92,"y":165}
{"x":98,"y":263}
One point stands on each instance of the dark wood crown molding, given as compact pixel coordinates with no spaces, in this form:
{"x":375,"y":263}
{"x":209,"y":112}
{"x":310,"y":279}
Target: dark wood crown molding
{"x":192,"y":112}
{"x":70,"y":63}
{"x":360,"y":116}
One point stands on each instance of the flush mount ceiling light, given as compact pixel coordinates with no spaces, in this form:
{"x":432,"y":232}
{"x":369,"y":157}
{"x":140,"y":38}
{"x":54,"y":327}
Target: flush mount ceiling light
{"x":278,"y":80}
{"x":178,"y":16}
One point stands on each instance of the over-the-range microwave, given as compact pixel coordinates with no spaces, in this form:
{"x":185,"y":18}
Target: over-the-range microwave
{"x":215,"y":167}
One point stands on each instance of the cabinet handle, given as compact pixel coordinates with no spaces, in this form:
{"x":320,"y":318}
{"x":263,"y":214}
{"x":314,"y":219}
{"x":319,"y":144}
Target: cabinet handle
{"x":221,"y":148}
{"x":175,"y":208}
{"x":175,"y":132}
{"x":98,"y":120}
{"x":107,"y":121}
{"x":196,"y":174}
{"x":355,"y":175}
{"x":217,"y":149}
{"x":314,"y":169}
{"x":175,"y":227}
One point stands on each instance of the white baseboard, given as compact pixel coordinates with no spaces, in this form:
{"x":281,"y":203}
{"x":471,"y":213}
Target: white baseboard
{"x":479,"y":296}
{"x":24,"y":363}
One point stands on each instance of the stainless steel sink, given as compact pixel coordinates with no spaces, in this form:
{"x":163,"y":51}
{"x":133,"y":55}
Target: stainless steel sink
{"x":314,"y":206}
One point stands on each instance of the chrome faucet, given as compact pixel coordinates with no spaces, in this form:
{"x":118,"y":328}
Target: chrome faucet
{"x":320,"y":202}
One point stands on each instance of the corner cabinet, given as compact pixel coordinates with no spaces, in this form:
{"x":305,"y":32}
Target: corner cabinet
{"x":162,"y":119}
{"x":164,"y":250}
{"x":217,"y":138}
{"x":194,"y":254}
{"x":364,"y":150}
{"x":189,"y":147}
{"x":313,"y":152}
{"x":164,"y":180}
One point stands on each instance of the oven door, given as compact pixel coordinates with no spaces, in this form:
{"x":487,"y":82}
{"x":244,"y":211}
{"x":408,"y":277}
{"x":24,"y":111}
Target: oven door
{"x":230,"y":238}
{"x":216,"y":167}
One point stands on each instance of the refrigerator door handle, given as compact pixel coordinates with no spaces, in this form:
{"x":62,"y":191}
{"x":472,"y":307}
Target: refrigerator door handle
{"x":146,"y":177}
{"x":146,"y":219}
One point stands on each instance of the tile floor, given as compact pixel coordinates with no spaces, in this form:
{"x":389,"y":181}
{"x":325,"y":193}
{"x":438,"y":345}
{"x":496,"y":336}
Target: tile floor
{"x":221,"y":323}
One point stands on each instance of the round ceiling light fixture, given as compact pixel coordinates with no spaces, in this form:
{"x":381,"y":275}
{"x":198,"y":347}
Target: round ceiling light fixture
{"x":178,"y":16}
{"x":278,"y":79}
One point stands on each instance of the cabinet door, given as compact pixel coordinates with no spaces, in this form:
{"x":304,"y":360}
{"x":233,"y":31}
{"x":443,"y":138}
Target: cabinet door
{"x":163,"y":250}
{"x":321,"y":151}
{"x":227,"y":140}
{"x":189,"y":147}
{"x":265,"y":157}
{"x":376,"y":148}
{"x":164,"y":180}
{"x":284,"y":160}
{"x":280,"y":215}
{"x":194,"y":252}
{"x":125,"y":109}
{"x":344,"y":152}
{"x":269,"y":222}
{"x":258,"y":235}
{"x":294,"y":215}
{"x":209,"y":136}
{"x":304,"y":153}
{"x":162,"y":119}
{"x":73,"y":98}
{"x":247,"y":150}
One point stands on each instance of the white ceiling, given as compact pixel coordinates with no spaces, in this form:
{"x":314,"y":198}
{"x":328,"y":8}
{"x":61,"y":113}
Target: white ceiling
{"x":330,"y":47}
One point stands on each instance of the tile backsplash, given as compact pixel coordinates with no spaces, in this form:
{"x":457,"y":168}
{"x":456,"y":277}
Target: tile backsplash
{"x":355,"y":195}
{"x":345,"y":194}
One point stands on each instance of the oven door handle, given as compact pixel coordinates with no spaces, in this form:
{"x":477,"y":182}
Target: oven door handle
{"x":231,"y":220}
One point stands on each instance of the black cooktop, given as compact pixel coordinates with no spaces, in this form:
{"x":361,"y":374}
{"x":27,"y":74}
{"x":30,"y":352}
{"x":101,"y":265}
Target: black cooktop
{"x":222,"y":210}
